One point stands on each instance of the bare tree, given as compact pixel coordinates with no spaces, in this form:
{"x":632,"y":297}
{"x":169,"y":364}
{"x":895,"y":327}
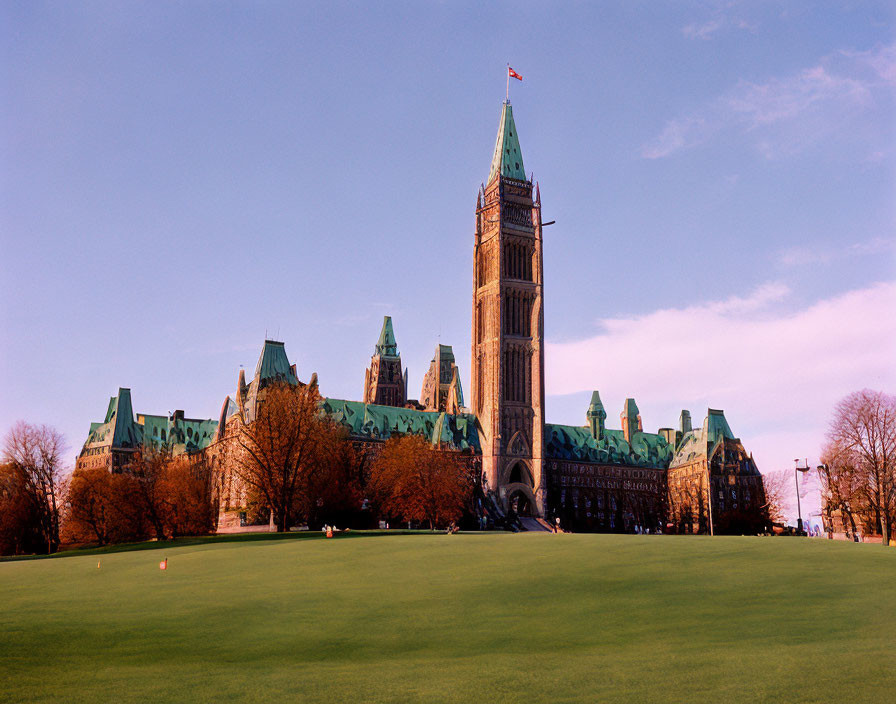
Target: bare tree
{"x":281,"y":452}
{"x":859,"y":470}
{"x":776,"y":485}
{"x":36,"y":452}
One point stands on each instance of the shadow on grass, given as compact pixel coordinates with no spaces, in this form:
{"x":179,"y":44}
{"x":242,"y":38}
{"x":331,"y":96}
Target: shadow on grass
{"x":222,"y":538}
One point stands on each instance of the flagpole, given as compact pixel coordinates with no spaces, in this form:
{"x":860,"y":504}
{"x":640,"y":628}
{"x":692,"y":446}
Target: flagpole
{"x":507,"y":95}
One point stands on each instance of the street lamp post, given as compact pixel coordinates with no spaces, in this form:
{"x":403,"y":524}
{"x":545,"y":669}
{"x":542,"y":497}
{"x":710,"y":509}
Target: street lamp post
{"x":829,"y":527}
{"x":799,"y":513}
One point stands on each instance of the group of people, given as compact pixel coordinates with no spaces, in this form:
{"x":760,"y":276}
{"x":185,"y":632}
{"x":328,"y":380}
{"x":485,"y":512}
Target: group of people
{"x":330,"y":530}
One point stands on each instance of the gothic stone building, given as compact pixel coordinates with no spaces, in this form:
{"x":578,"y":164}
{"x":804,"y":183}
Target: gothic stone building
{"x":593,"y":477}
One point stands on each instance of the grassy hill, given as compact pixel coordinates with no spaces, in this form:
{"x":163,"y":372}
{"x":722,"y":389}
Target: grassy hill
{"x":464,"y":618}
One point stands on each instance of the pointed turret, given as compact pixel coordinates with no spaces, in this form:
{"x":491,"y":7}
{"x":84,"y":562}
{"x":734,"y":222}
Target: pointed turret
{"x":124,"y":433}
{"x":508,"y":158}
{"x":596,"y":415}
{"x":386,"y":345}
{"x":273,"y":365}
{"x":631,"y":419}
{"x":384,"y":383}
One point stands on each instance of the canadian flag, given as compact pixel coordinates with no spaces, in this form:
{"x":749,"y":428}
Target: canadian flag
{"x":513,"y":74}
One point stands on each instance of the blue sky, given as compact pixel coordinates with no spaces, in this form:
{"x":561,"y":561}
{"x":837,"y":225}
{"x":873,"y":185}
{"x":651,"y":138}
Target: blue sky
{"x":181,"y":179}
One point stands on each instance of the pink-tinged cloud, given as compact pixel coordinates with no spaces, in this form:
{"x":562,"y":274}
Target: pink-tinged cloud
{"x":785,"y":115}
{"x":776,"y":371}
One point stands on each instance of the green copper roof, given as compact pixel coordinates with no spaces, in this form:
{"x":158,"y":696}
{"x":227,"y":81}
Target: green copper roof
{"x":178,"y":434}
{"x":460,"y":389}
{"x":273,"y":365}
{"x":716,"y":427}
{"x":386,"y":345}
{"x":118,"y":429}
{"x":508,"y":158}
{"x":368,"y":420}
{"x":577,"y":444}
{"x":125,"y":434}
{"x":702,"y":442}
{"x":121,"y":431}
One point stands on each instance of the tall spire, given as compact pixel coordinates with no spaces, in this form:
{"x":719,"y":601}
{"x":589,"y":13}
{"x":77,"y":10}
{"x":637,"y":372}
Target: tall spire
{"x":387,"y":345}
{"x":508,"y":158}
{"x":384,"y":383}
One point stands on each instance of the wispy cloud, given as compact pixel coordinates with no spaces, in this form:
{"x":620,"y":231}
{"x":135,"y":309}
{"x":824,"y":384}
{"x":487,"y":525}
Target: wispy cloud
{"x":704,"y":30}
{"x":723,"y":19}
{"x":793,"y":257}
{"x":778,"y":371}
{"x":786,"y":114}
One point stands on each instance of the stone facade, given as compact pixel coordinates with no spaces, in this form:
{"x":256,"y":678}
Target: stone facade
{"x":713,"y":478}
{"x":591,"y":476}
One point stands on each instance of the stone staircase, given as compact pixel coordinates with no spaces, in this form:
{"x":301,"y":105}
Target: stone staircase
{"x":535,"y":525}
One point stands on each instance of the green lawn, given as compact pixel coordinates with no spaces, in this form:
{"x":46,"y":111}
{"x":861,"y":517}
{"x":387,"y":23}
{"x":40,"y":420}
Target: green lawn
{"x":464,"y":618}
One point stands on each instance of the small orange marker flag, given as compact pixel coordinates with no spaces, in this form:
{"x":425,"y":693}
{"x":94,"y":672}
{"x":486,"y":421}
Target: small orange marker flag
{"x":97,"y":564}
{"x":163,"y":565}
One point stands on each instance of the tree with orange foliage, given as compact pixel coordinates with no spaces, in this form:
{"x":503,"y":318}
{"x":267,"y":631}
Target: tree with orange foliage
{"x":92,"y":515}
{"x":186,"y":487}
{"x":417,"y":482}
{"x":286,"y":450}
{"x":20,"y":531}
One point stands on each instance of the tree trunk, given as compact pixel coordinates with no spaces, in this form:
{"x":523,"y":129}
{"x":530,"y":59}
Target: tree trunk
{"x":884,"y":529}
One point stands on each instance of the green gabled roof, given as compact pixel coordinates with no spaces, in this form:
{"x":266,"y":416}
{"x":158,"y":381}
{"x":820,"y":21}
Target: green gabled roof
{"x":577,"y":444}
{"x":386,"y":345}
{"x":273,"y":364}
{"x":127,"y":432}
{"x":508,"y":158}
{"x":702,"y":442}
{"x":122,"y":431}
{"x":372,"y":421}
{"x":119,"y":430}
{"x":715,"y":427}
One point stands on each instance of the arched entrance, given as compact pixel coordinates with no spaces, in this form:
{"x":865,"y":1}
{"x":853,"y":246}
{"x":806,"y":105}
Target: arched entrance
{"x":520,"y":504}
{"x":520,"y":474}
